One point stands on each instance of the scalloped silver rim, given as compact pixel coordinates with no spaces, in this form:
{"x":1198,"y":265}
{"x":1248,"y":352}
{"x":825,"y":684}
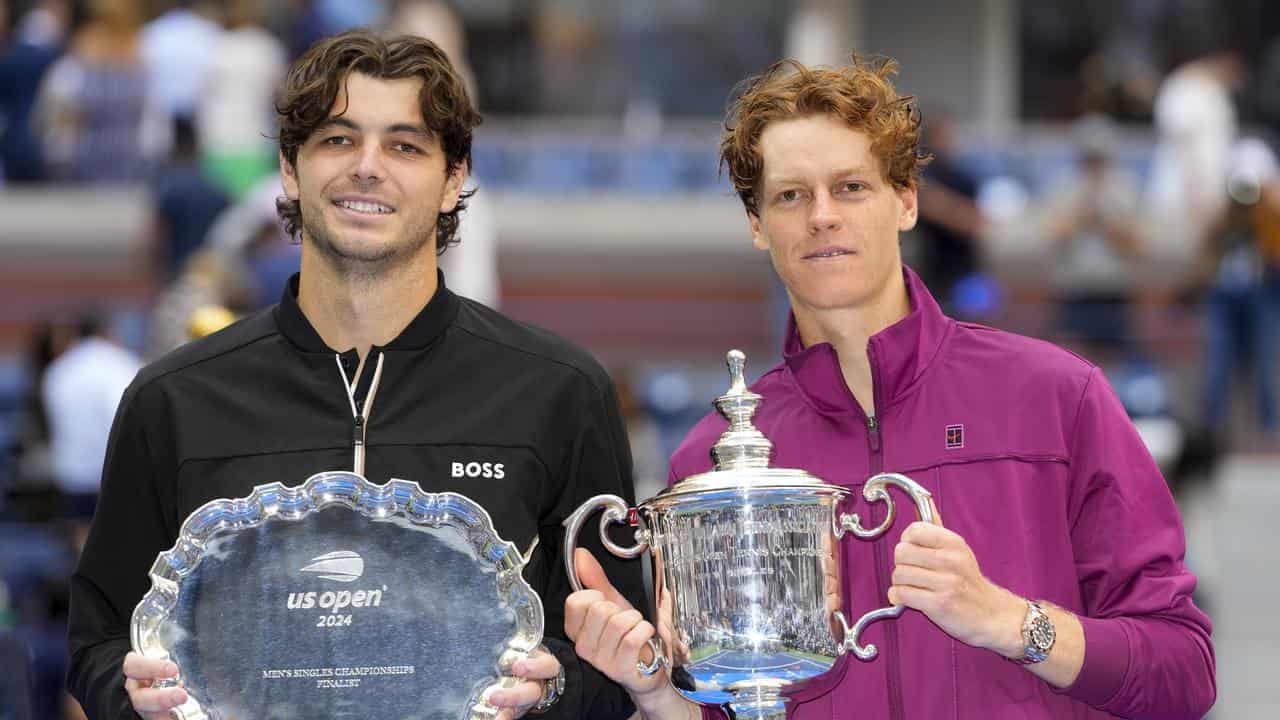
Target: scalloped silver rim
{"x":278,"y":502}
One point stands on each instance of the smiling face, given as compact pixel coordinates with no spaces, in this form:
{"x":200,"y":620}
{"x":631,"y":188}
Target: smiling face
{"x":372,"y":180}
{"x":828,"y":217}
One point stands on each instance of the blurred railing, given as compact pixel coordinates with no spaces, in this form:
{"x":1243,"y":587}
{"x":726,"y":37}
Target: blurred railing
{"x":622,"y":236}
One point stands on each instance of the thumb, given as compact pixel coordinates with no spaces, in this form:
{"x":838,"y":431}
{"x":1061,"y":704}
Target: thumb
{"x":593,"y":577}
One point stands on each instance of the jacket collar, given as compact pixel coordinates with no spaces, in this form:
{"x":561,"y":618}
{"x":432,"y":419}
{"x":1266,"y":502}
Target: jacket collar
{"x":437,"y":315}
{"x":899,"y":355}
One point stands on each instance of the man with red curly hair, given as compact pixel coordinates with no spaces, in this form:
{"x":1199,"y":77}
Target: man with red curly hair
{"x":1057,"y":587}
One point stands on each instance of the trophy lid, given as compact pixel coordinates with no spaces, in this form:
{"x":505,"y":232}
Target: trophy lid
{"x":742,"y":453}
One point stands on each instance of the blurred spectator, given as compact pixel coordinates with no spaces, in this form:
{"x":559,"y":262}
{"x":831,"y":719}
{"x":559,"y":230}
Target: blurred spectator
{"x":471,"y":267}
{"x":209,"y":320}
{"x":1092,"y":228}
{"x":571,"y":56}
{"x":950,"y":221}
{"x":1196,"y":124}
{"x":306,"y":28}
{"x":206,"y":281}
{"x":1241,"y":269}
{"x":235,"y":112}
{"x":253,"y":247}
{"x":26,"y":52}
{"x":177,"y":48}
{"x":15,"y":682}
{"x":99,"y":120}
{"x":1267,"y":87}
{"x":34,"y":480}
{"x":436,"y":21}
{"x":269,"y":262}
{"x":1125,"y":92}
{"x":46,"y":22}
{"x":186,"y":203}
{"x":82,"y":388}
{"x":316,"y":19}
{"x":242,"y":265}
{"x":342,"y":15}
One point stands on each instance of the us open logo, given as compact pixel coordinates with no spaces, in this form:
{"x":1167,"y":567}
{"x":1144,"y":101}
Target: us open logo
{"x":341,"y":565}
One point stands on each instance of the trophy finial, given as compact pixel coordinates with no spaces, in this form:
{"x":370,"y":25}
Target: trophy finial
{"x":737,"y":362}
{"x":742,"y":445}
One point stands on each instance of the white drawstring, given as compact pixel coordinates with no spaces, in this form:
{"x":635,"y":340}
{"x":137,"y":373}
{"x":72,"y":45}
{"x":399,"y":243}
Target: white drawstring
{"x":363,"y":414}
{"x":373,"y":389}
{"x":351,"y":393}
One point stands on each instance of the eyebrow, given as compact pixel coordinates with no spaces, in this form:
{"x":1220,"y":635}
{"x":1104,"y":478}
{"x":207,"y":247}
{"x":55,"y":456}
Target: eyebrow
{"x":843,"y":172}
{"x":408,"y":128}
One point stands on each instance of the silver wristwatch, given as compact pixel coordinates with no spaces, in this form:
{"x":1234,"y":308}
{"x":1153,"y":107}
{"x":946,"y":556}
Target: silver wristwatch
{"x":1037,"y":635}
{"x":551,"y":691}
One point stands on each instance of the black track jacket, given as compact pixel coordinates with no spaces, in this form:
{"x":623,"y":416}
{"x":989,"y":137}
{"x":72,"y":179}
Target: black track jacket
{"x":265,"y":400}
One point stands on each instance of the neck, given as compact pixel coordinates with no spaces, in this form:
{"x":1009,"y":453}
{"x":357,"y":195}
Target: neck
{"x":362,"y":310}
{"x":848,"y":329}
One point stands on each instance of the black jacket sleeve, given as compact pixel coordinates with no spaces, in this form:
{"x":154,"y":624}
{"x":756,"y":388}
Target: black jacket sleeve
{"x":599,"y":462}
{"x":130,"y":528}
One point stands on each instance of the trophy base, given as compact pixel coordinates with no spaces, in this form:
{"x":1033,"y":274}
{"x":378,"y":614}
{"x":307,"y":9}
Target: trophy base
{"x":758,"y":700}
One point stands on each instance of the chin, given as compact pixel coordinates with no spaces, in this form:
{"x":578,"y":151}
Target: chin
{"x":834,"y":302}
{"x":830,"y":296}
{"x":358,"y":250}
{"x":365,"y":254}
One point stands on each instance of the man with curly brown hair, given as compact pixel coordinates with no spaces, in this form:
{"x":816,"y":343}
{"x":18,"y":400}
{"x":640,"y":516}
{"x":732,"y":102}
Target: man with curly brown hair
{"x":1057,"y":587}
{"x":375,"y":147}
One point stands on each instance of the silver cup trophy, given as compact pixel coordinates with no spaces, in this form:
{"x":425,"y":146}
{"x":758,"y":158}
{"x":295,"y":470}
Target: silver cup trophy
{"x":747,"y":568}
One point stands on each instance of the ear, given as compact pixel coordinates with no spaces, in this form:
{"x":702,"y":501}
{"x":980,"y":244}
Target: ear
{"x":288,"y":178}
{"x":908,"y":198}
{"x":757,"y":231}
{"x":453,"y":185}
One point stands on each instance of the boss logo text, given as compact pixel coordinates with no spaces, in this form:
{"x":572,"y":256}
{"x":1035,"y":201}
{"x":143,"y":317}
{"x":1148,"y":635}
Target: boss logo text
{"x":479,"y":469}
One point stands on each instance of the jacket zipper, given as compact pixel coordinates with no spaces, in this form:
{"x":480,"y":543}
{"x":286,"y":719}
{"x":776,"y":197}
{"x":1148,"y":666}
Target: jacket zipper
{"x":357,"y":445}
{"x":883,"y":560}
{"x":359,"y":415}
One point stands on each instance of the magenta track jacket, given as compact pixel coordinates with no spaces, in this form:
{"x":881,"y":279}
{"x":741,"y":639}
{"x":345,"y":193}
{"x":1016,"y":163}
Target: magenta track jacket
{"x":1031,"y":458}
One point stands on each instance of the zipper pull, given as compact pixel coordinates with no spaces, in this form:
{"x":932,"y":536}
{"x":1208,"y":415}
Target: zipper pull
{"x":873,"y":431}
{"x":357,"y":446}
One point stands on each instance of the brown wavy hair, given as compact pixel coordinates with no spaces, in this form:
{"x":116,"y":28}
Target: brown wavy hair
{"x":312,"y":86}
{"x":860,"y":93}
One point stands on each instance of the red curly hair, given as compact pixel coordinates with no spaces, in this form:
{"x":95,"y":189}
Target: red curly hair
{"x":860,"y":93}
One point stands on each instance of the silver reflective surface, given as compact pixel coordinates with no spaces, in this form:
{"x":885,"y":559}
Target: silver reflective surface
{"x":339,"y":598}
{"x":746,"y":567}
{"x":747,"y":585}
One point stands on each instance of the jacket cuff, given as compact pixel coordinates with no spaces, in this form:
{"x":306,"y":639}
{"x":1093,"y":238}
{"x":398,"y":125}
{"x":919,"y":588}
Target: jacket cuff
{"x":1106,"y":662}
{"x":570,"y":704}
{"x":713,"y":713}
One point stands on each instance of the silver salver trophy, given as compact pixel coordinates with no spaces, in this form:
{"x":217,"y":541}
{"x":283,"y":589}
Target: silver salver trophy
{"x":747,"y":568}
{"x":339,"y":598}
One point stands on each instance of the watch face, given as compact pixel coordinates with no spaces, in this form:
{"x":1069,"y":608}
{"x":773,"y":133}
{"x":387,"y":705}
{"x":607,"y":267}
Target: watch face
{"x":1042,"y":633}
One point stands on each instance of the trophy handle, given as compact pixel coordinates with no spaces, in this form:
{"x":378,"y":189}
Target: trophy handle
{"x":876,"y":490}
{"x":616,"y":512}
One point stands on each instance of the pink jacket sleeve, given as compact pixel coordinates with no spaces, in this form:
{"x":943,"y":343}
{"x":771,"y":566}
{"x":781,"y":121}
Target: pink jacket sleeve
{"x":1148,"y":652}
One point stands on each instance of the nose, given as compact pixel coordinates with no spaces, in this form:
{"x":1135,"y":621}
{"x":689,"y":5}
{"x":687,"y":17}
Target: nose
{"x":369,"y":165}
{"x":822,"y":212}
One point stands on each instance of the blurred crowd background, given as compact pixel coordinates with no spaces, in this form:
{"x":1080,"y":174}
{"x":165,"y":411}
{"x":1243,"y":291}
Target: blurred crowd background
{"x":1105,"y":177}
